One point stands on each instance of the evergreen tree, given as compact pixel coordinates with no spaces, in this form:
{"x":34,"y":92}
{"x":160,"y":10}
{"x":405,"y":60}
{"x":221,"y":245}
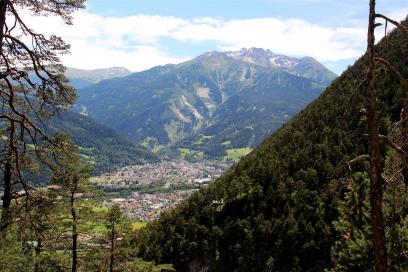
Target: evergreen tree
{"x":72,"y":175}
{"x":353,"y":249}
{"x":114,"y":217}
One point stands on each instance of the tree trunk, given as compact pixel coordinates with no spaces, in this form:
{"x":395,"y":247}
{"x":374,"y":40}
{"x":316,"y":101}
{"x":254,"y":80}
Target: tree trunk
{"x":38,"y":247}
{"x":112,"y":256}
{"x":7,"y":179}
{"x":74,"y":235}
{"x":3,"y":11}
{"x":376,"y":160}
{"x":5,"y":212}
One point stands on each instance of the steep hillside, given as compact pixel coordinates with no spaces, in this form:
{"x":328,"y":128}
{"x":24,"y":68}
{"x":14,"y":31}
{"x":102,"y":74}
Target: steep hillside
{"x":275,"y":210}
{"x":235,"y":99}
{"x":103,"y":147}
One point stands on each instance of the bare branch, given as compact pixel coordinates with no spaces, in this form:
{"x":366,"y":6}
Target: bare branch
{"x":395,"y":23}
{"x":364,"y":157}
{"x":398,"y":149}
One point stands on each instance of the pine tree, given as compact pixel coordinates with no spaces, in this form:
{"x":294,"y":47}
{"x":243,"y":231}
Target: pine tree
{"x":113,"y":219}
{"x":72,"y":174}
{"x":353,"y":249}
{"x":32,"y":87}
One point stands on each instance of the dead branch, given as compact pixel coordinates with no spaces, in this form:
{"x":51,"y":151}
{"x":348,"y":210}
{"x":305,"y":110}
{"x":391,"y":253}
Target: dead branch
{"x":395,"y":23}
{"x":359,"y":158}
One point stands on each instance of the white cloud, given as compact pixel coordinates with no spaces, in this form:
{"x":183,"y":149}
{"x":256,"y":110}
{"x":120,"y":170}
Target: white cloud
{"x":98,"y":41}
{"x":138,"y":58}
{"x":135,"y":41}
{"x":292,"y":37}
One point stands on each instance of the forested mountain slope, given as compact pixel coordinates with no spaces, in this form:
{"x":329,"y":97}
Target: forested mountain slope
{"x":215,"y":102}
{"x":101,"y":146}
{"x":276,"y":210}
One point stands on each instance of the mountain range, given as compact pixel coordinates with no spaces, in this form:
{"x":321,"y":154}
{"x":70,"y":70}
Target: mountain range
{"x":209,"y":107}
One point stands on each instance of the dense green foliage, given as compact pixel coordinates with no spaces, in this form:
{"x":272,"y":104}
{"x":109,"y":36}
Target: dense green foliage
{"x":40,"y":240}
{"x":353,"y":248}
{"x":210,"y":104}
{"x":285,"y":206}
{"x":104,"y":148}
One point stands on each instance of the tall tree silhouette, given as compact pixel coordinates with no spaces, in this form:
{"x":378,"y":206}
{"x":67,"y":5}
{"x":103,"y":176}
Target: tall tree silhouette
{"x":377,"y":141}
{"x":32,"y":87}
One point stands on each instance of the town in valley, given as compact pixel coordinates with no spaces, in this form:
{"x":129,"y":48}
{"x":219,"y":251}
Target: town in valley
{"x":145,"y":191}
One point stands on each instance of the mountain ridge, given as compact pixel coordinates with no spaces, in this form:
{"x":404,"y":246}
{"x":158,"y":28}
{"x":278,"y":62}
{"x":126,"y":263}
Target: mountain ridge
{"x":306,"y":66}
{"x":104,"y":148}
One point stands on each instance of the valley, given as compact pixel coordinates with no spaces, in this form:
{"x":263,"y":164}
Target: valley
{"x":212,"y":142}
{"x":180,"y":127}
{"x":155,"y":137}
{"x":145,"y":191}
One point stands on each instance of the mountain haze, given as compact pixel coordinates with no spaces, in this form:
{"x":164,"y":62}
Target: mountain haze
{"x":229,"y":99}
{"x":80,"y":78}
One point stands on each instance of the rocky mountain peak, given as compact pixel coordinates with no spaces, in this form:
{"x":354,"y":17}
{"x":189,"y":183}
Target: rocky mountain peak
{"x":263,"y":57}
{"x":255,"y":52}
{"x":306,"y":66}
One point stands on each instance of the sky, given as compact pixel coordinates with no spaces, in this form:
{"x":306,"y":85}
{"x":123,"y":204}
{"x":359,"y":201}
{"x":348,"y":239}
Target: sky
{"x":140,"y":34}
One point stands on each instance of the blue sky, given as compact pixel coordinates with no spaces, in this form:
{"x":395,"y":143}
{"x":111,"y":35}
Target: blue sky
{"x":139,"y":34}
{"x":324,"y":11}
